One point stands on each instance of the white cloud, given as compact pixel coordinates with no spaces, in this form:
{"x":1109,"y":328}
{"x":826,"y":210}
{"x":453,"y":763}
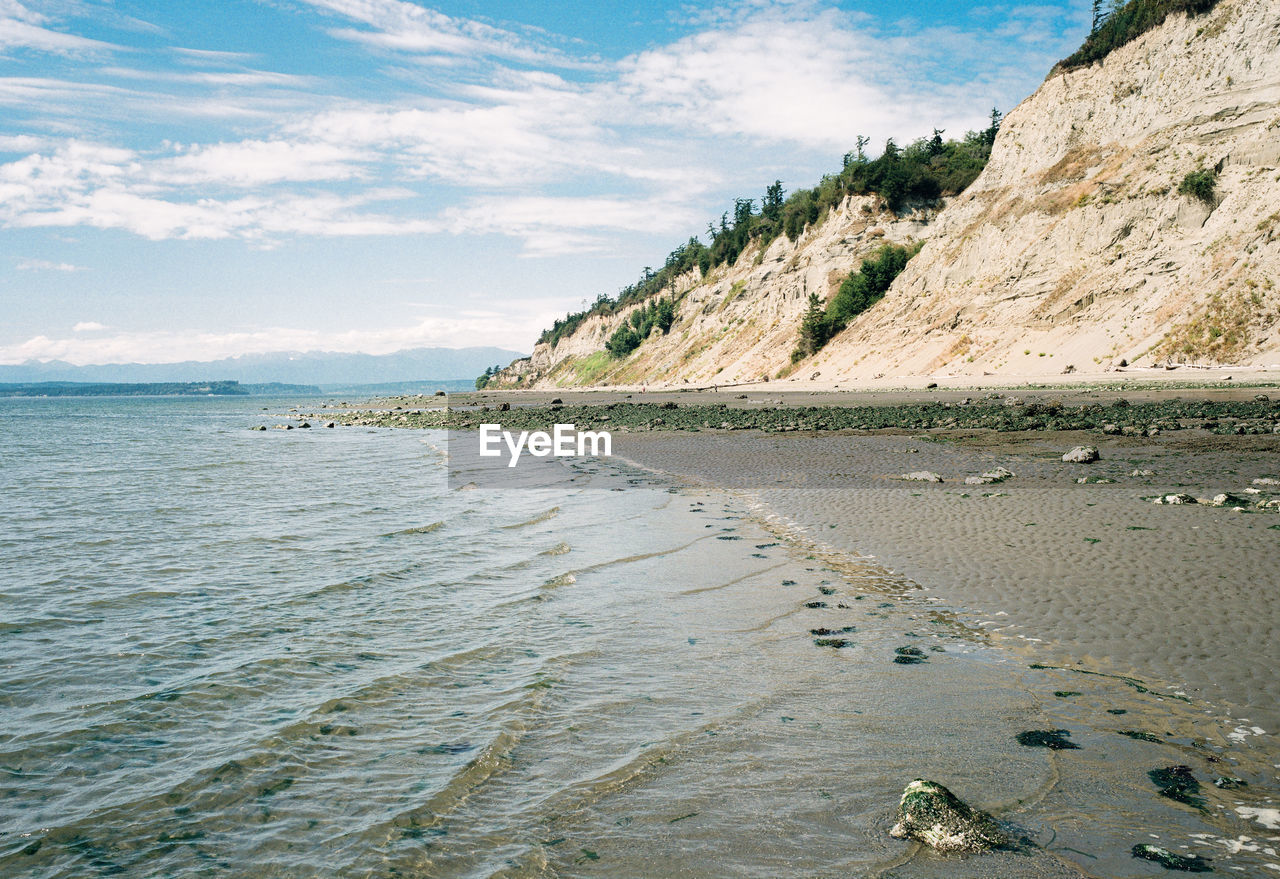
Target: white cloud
{"x":245,"y":78}
{"x":257,"y":162}
{"x":75,"y":103}
{"x":88,"y":326}
{"x":208,"y":56}
{"x":110,"y":188}
{"x":44,"y":265}
{"x":253,"y":218}
{"x":790,"y":73}
{"x":21,"y":28}
{"x":636,"y":149}
{"x":401,"y":26}
{"x":556,"y":226}
{"x":508,"y":327}
{"x":25,"y":143}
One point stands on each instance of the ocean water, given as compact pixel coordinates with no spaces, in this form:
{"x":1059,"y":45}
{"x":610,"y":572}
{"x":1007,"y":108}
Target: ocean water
{"x":226,"y":652}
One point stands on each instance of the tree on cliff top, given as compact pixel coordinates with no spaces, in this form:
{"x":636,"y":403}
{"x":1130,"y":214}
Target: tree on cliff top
{"x":1124,"y":23}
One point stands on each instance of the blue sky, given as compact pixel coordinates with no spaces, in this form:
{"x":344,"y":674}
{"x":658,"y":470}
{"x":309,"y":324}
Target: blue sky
{"x":192,"y":180}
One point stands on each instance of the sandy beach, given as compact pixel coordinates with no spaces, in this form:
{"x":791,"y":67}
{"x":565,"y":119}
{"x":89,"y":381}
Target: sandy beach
{"x":1094,"y":574}
{"x":1059,"y":595}
{"x":1076,"y":558}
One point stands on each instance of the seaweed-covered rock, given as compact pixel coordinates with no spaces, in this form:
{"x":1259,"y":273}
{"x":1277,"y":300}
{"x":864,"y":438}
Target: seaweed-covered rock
{"x":931,"y":814}
{"x":1141,"y":736}
{"x":908,"y":656}
{"x":1053,"y":739}
{"x":1178,"y":784}
{"x":1081,"y":455}
{"x":1170,"y":861}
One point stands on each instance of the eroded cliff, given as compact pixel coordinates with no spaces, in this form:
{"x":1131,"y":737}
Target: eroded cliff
{"x":1081,"y":247}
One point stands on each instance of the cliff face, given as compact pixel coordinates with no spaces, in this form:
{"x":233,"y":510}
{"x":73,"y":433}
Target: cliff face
{"x":738,"y":324}
{"x":1073,"y":251}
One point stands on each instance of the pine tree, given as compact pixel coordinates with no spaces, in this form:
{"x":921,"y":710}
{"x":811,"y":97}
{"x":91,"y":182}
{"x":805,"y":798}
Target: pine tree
{"x":996,"y":119}
{"x":812,"y":327}
{"x":773,"y":199}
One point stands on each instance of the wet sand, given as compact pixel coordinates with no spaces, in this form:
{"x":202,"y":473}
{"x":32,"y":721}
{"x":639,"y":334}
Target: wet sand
{"x":1093,"y":574}
{"x":1148,"y":631}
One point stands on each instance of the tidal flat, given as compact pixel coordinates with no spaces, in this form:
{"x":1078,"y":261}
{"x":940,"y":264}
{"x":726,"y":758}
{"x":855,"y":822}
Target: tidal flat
{"x":1131,"y":601}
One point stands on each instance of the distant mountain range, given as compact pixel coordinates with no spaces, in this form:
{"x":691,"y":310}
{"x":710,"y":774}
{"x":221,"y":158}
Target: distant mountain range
{"x":292,"y":367}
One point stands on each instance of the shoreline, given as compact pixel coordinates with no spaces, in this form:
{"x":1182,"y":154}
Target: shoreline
{"x":1090,"y":528}
{"x":1147,"y":630}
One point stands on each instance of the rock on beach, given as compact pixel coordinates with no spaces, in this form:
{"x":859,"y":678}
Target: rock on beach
{"x":921,"y":476}
{"x":933,"y":815}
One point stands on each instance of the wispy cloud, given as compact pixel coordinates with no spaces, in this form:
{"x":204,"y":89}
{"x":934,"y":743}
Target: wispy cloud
{"x":210,"y":56}
{"x":556,"y":226}
{"x":23,"y":28}
{"x":44,"y":265}
{"x":651,"y":135}
{"x":508,"y":327}
{"x":257,"y":162}
{"x":407,"y":27}
{"x":243,"y":78}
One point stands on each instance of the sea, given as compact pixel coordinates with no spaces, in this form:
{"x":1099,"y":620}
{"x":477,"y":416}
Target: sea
{"x":240,"y":653}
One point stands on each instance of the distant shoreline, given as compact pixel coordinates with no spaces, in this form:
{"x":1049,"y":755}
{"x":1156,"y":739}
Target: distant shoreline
{"x":152,"y":389}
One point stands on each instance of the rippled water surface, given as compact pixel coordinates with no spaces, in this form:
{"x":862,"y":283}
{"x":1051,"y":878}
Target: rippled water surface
{"x":237,"y":653}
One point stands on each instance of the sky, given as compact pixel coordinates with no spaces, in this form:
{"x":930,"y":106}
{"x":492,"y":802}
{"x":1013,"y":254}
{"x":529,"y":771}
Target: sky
{"x":207,"y":178}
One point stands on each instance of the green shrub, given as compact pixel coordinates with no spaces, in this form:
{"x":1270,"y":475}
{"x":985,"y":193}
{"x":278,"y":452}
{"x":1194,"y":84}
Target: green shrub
{"x":630,"y":335}
{"x":1199,"y":184}
{"x":858,"y":292}
{"x":482,"y":380}
{"x":922,"y":172}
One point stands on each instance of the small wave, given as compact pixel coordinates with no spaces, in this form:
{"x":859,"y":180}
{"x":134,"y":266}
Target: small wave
{"x":541,"y":517}
{"x":425,"y":529}
{"x":210,"y":465}
{"x":14,"y":628}
{"x":364,"y":581}
{"x":560,"y":548}
{"x":562,"y":580}
{"x":736,"y":580}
